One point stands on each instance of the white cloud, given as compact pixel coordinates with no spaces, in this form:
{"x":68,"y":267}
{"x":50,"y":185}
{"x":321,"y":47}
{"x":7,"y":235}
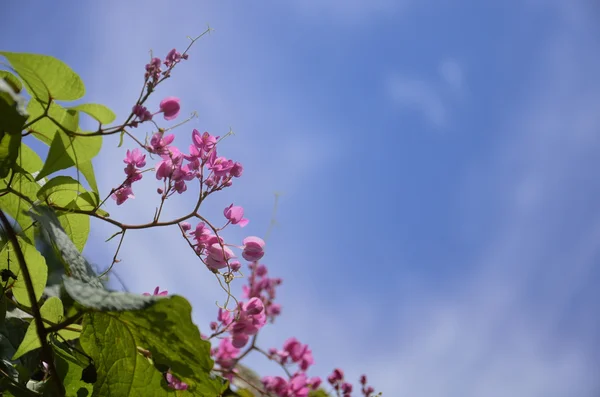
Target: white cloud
{"x":452,"y":74}
{"x":428,"y":96}
{"x":503,"y":331}
{"x":419,"y":95}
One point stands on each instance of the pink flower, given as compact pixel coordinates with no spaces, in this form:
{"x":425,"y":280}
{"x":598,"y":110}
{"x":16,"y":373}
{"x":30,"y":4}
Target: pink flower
{"x":173,"y":57}
{"x":157,"y":292}
{"x":346,"y":388}
{"x":254,"y":306}
{"x":175,"y":383}
{"x":315,"y":382}
{"x":135,"y":158}
{"x":170,"y":107}
{"x":226,"y":353}
{"x":253,"y":248}
{"x":205,"y":142}
{"x":220,"y":166}
{"x":158,"y":143}
{"x":298,"y":386}
{"x":237,"y":170}
{"x":121,"y":195}
{"x":217,"y":256}
{"x":235,"y":215}
{"x":235,"y":266}
{"x":141,"y":113}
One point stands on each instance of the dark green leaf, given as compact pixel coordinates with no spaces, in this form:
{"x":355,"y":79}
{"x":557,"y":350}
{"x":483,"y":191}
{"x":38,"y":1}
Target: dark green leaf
{"x":70,"y":372}
{"x":167,"y":331}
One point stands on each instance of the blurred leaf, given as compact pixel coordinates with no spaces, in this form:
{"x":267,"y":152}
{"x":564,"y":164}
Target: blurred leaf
{"x":12,"y":109}
{"x":102,"y":300}
{"x":11,"y":79}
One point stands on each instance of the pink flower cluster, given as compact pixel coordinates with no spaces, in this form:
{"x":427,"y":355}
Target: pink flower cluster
{"x":248,"y":319}
{"x":175,"y":168}
{"x":154,"y":71}
{"x":134,"y":160}
{"x":297,"y":386}
{"x":169,"y":107}
{"x":215,"y":253}
{"x":263,"y":287}
{"x":336,"y":379}
{"x":294,"y":352}
{"x":235,"y":328}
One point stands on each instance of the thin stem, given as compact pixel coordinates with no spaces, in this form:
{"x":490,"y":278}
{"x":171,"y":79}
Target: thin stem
{"x":115,"y":260}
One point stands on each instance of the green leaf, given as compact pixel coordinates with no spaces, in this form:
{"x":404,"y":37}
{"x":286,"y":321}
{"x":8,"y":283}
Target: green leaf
{"x":12,"y":109}
{"x":44,"y":128}
{"x":28,"y":160}
{"x":99,"y":112}
{"x":60,"y":190}
{"x":11,"y":79}
{"x":86,"y":202}
{"x":78,"y":150}
{"x":77,"y":227}
{"x":122,"y":371}
{"x":33,"y":82}
{"x":69,"y":371}
{"x":318,"y":393}
{"x":87,"y":169}
{"x":167,"y":331}
{"x":106,"y":301}
{"x":76,"y":265}
{"x":37,"y":269}
{"x":52,"y":310}
{"x":9,"y":150}
{"x":16,"y":206}
{"x":59,"y":79}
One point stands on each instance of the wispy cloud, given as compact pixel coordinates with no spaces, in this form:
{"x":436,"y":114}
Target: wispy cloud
{"x":452,"y":74}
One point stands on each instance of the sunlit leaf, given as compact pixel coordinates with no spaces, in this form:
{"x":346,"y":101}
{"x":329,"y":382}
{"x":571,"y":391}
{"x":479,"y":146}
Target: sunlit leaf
{"x":37,"y":269}
{"x":59,"y":80}
{"x":99,"y":112}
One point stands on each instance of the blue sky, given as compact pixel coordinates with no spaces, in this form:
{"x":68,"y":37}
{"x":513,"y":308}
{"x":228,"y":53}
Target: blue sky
{"x":439,"y":227}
